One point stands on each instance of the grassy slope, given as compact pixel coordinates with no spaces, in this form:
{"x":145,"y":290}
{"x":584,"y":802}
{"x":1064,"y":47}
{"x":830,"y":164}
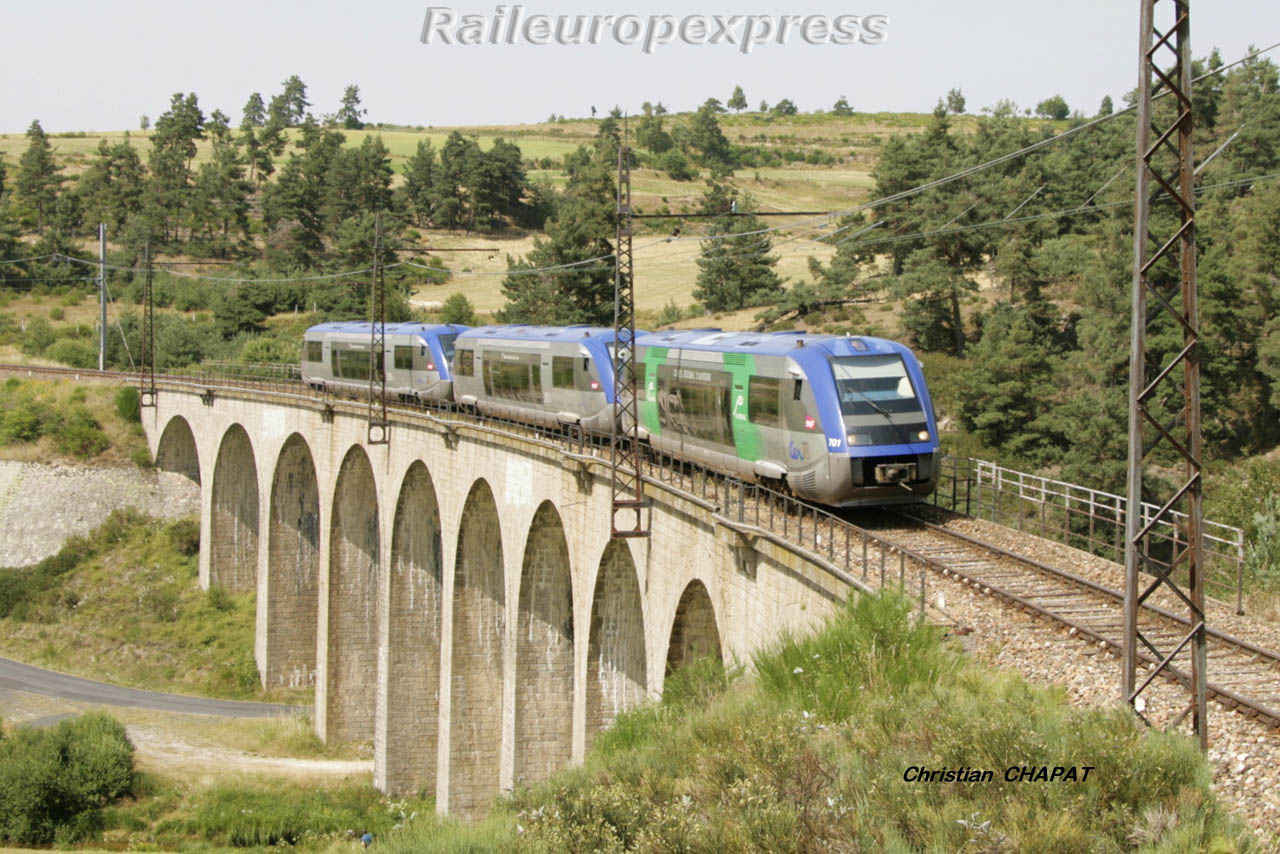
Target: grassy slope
{"x":125,"y":442}
{"x":810,"y":756}
{"x":131,"y":611}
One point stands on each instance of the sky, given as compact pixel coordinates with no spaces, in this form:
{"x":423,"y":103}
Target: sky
{"x":92,"y":66}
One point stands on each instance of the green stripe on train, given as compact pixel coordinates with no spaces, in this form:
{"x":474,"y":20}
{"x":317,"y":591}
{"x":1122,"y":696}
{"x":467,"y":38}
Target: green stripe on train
{"x":648,"y":408}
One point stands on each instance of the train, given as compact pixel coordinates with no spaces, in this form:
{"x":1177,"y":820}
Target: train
{"x":845,"y":421}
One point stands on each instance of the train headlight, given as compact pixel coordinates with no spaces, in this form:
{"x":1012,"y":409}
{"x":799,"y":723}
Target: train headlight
{"x":923,"y":435}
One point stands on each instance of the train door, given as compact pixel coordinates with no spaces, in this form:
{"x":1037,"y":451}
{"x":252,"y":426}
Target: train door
{"x":802,"y":430}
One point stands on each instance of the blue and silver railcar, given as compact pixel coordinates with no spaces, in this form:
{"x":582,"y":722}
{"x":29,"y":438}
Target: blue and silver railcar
{"x":844,"y":421}
{"x":418,"y":358}
{"x":548,"y":375}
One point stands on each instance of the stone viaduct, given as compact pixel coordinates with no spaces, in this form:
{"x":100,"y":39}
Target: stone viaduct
{"x":454,"y":595}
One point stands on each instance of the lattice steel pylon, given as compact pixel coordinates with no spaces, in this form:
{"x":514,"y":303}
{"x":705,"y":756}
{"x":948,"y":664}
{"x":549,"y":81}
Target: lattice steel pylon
{"x":147,"y":348}
{"x":628,"y":517}
{"x":1165,"y":271}
{"x":379,"y":432}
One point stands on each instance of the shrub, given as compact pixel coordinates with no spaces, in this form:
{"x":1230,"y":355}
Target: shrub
{"x":128,"y":404}
{"x":53,"y":781}
{"x":24,"y":422}
{"x":458,"y":309}
{"x":73,"y":352}
{"x":677,"y":166}
{"x":38,"y":337}
{"x":56,"y":313}
{"x":80,"y":435}
{"x":184,"y":538}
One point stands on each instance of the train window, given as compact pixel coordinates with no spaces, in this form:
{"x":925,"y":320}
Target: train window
{"x":874,"y":385}
{"x":350,"y":364}
{"x":696,"y":403}
{"x":799,"y":388}
{"x":466,"y":363}
{"x":514,"y":378}
{"x":404,"y":358}
{"x":315,"y":351}
{"x":562,"y":372}
{"x":762,"y":401}
{"x":446,"y":344}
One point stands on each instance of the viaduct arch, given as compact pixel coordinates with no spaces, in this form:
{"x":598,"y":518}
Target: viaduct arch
{"x":453,"y":595}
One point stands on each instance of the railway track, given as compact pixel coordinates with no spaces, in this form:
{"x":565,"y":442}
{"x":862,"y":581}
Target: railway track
{"x":1241,"y":675}
{"x":886,"y":549}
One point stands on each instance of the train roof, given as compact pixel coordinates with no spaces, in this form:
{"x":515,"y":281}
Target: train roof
{"x":362,"y":327}
{"x":525,"y":332}
{"x":765,"y":343}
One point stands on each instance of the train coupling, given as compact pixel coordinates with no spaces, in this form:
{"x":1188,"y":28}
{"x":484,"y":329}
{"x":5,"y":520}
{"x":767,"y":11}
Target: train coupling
{"x":898,"y":473}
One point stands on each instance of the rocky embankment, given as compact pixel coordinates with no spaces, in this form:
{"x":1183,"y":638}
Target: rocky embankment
{"x":41,"y":504}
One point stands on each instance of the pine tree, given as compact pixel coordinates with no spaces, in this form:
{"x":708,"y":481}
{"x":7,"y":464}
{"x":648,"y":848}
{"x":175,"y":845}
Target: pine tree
{"x":1007,"y":388}
{"x":255,"y":113}
{"x":173,"y":149}
{"x":222,"y":192}
{"x":738,"y":101}
{"x":581,"y":230}
{"x":932,"y":288}
{"x":703,"y":135}
{"x":1106,"y":108}
{"x":420,"y":182}
{"x":735,"y":268}
{"x":112,"y":188}
{"x":294,"y":98}
{"x":955,"y":102}
{"x":39,"y":178}
{"x":349,"y":112}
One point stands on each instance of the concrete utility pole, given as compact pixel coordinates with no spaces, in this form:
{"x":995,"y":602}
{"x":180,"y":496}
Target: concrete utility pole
{"x":102,"y":296}
{"x":1165,"y":269}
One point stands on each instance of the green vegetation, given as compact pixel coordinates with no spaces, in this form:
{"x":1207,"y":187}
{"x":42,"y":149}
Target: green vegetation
{"x":259,"y":815}
{"x":41,"y":419}
{"x":123,"y":604}
{"x":55,"y":782}
{"x":812,"y":755}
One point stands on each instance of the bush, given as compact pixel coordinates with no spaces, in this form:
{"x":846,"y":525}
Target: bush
{"x":24,"y":422}
{"x":184,"y":538}
{"x":73,"y":352}
{"x":458,"y":309}
{"x":252,"y":817}
{"x":39,"y":336}
{"x":677,"y":166}
{"x":53,"y":781}
{"x":80,"y":435}
{"x":129,"y":404}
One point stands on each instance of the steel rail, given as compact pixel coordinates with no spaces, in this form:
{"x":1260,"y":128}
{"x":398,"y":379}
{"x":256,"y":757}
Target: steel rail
{"x":1267,"y":660}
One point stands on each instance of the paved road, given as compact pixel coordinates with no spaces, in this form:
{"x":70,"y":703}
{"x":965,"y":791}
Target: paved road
{"x":23,"y":677}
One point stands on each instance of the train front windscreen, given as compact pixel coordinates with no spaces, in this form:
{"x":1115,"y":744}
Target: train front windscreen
{"x":878,"y":401}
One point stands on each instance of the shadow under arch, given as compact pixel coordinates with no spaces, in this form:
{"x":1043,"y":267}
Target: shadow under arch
{"x":544,"y":651}
{"x":233,"y":531}
{"x":293,"y":568}
{"x":693,"y":631}
{"x":353,"y":588}
{"x":406,"y":759}
{"x":176,"y":450}
{"x":479,"y":600}
{"x":616,"y":657}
